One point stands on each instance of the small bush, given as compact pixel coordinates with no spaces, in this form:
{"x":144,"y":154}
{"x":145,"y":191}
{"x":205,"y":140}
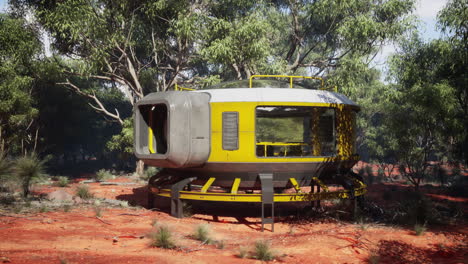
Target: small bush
{"x":67,"y":208}
{"x":162,"y":238}
{"x":29,"y":169}
{"x":202,"y":233}
{"x":187,"y":209}
{"x":154,"y":222}
{"x":98,"y":211}
{"x":103,"y":175}
{"x":63,"y":181}
{"x":242,"y":252}
{"x":148,"y":173}
{"x":419,"y":229}
{"x":263,"y":251}
{"x":83,"y":192}
{"x":220,"y":244}
{"x":44,"y":209}
{"x":5,"y":168}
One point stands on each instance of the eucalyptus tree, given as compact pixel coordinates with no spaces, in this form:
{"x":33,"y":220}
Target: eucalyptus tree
{"x":19,"y":47}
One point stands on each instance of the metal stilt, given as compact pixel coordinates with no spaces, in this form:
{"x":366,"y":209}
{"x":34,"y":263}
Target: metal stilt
{"x":176,"y":203}
{"x":268,"y":204}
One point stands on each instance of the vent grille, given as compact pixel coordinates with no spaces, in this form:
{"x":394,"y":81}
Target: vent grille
{"x":230,"y":130}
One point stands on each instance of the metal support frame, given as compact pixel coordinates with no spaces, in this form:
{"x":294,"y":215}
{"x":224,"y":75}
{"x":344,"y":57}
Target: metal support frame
{"x":266,"y":180}
{"x":176,"y":203}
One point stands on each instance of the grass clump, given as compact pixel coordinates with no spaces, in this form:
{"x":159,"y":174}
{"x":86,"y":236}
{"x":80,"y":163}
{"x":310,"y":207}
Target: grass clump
{"x":98,"y":211}
{"x":44,"y":209}
{"x":420,"y":229}
{"x":67,"y":208}
{"x":63,"y":181}
{"x":103,"y":175}
{"x":242,"y":252}
{"x":263,"y":251}
{"x":161,"y":238}
{"x":220,"y":244}
{"x":83,"y":192}
{"x":28,"y":170}
{"x":202,"y":233}
{"x":148,"y":173}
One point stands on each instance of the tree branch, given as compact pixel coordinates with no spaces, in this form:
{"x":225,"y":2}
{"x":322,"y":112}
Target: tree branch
{"x":100,"y":108}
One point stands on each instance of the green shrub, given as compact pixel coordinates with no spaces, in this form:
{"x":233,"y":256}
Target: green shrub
{"x":62,"y":181}
{"x":103,"y":175}
{"x":420,"y":229}
{"x":83,"y":192}
{"x":28,"y":170}
{"x":242,"y":252}
{"x":202,"y":233}
{"x":162,"y":238}
{"x":5,"y":168}
{"x":148,"y":173}
{"x":67,"y":208}
{"x":263,"y":251}
{"x":44,"y":209}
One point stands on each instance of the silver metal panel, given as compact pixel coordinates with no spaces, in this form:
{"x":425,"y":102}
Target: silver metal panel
{"x":188,"y":129}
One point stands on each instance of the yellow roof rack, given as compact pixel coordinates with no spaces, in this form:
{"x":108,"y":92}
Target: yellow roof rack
{"x":291,"y":77}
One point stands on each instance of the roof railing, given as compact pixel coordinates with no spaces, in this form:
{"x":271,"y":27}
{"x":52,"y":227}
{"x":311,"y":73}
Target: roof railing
{"x":291,"y":77}
{"x":178,"y":88}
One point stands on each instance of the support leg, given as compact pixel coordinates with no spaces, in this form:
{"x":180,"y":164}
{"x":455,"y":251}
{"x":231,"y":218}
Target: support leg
{"x":176,"y":203}
{"x":268,"y":205}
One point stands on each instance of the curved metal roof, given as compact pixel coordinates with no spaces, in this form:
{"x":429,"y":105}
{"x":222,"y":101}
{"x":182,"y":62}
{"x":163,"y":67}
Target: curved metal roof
{"x":277,"y":95}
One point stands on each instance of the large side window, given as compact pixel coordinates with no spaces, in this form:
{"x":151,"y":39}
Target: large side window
{"x":295,"y":131}
{"x":230,"y":130}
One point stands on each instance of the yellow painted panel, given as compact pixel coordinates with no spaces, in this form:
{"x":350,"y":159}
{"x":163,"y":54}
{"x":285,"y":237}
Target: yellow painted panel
{"x":247,"y":144}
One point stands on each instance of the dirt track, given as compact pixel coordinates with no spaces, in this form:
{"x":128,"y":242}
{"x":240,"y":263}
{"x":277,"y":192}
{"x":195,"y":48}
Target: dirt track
{"x":118,"y":236}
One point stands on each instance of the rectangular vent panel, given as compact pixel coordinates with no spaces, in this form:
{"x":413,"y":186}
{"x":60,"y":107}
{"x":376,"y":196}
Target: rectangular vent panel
{"x":230,"y":130}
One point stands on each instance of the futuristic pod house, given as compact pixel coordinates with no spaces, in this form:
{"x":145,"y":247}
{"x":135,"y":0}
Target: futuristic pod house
{"x":244,"y":139}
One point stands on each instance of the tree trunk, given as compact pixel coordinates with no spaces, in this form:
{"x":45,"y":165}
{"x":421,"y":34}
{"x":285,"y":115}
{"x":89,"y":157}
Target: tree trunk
{"x":140,"y":167}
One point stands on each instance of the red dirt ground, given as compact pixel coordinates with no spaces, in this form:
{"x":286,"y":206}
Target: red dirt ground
{"x":118,"y":237}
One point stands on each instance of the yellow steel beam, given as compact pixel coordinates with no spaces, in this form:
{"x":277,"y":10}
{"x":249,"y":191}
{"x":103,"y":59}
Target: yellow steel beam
{"x":235,"y":185}
{"x":295,"y":184}
{"x":281,"y":144}
{"x":282,"y":197}
{"x":322,"y":185}
{"x":207,"y":185}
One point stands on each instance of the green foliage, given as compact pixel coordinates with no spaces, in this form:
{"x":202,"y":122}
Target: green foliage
{"x":19,"y":45}
{"x":202,"y":233}
{"x":103,"y":175}
{"x":5,"y":168}
{"x":28,"y":170}
{"x":263,"y":251}
{"x":162,"y":238}
{"x":148,"y":173}
{"x":419,"y":229}
{"x":83,"y":192}
{"x":62,"y":181}
{"x":123,"y":142}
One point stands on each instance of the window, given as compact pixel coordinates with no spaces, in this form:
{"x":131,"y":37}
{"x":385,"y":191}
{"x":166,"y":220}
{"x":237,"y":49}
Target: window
{"x":295,"y":131}
{"x":230,"y":130}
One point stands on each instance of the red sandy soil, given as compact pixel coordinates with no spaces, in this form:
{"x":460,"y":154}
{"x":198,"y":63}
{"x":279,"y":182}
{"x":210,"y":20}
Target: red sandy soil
{"x":118,"y":237}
